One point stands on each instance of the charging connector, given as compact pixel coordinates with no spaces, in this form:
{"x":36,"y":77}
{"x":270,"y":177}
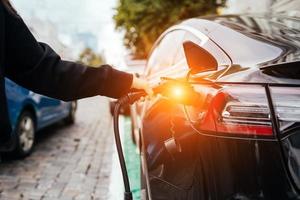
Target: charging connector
{"x":178,"y":91}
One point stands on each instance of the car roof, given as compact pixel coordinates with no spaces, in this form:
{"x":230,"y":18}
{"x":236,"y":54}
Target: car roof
{"x":253,"y":39}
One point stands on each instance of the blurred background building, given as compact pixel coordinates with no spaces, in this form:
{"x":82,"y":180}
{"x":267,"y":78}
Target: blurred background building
{"x":72,"y":26}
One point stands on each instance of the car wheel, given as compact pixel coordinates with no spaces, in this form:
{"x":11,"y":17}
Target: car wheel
{"x":25,"y":135}
{"x":70,"y":119}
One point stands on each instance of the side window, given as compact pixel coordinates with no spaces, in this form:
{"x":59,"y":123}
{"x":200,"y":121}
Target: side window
{"x":180,"y":56}
{"x":211,"y":47}
{"x":163,"y":55}
{"x":169,"y":53}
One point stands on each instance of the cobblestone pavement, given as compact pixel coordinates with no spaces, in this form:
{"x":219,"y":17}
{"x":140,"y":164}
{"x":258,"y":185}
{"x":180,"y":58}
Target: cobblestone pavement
{"x":68,"y":162}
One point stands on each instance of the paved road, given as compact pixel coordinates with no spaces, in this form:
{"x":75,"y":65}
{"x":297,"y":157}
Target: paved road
{"x":68,"y":162}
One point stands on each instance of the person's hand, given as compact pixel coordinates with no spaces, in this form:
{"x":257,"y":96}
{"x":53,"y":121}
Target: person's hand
{"x":138,"y":83}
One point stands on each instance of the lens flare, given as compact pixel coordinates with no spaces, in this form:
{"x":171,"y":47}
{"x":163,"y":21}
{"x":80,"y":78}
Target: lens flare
{"x":178,"y":92}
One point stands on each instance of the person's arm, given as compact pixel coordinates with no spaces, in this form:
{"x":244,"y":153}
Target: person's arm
{"x":37,"y":67}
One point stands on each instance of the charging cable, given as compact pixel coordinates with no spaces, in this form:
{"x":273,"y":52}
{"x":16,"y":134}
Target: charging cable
{"x":130,"y":98}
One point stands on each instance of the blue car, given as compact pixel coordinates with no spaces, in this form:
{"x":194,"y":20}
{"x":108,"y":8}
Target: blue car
{"x":30,"y":112}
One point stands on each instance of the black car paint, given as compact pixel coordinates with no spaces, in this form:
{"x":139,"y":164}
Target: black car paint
{"x":211,"y":167}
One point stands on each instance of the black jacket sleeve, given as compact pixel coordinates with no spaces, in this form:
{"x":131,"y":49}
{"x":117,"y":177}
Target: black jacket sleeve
{"x":37,"y":67}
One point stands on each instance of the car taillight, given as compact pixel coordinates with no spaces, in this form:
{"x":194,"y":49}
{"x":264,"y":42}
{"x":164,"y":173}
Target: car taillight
{"x":287,"y":106}
{"x":238,"y":110}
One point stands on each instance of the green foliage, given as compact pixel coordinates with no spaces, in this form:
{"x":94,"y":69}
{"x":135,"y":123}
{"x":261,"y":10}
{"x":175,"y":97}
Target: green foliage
{"x":144,"y":20}
{"x":90,"y":58}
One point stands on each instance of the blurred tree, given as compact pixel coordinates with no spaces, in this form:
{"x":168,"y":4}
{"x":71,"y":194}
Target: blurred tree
{"x":144,"y":20}
{"x":90,"y":58}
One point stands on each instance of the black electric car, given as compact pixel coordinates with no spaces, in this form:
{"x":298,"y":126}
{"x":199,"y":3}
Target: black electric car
{"x":240,"y":139}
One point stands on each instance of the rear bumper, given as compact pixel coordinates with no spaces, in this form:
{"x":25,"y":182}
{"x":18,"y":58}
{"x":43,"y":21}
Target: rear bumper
{"x":219,"y":168}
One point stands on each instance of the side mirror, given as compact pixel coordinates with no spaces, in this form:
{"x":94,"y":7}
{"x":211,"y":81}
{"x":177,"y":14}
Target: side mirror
{"x":198,"y":59}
